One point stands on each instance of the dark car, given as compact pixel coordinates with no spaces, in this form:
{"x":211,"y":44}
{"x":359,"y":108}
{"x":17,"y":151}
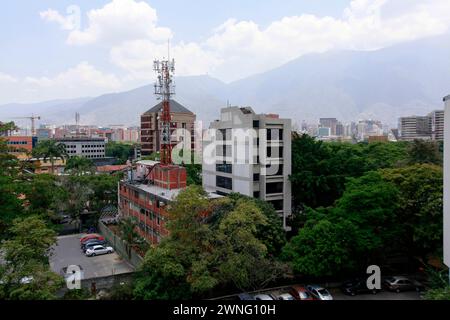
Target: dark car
{"x":245,"y":296}
{"x":400,"y":283}
{"x":357,"y":286}
{"x":92,"y":244}
{"x":91,"y":241}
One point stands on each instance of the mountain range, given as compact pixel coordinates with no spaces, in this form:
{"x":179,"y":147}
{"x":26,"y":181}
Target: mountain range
{"x":401,"y":80}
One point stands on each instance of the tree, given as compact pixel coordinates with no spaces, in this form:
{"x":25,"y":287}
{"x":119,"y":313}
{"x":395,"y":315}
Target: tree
{"x":421,"y":151}
{"x":129,"y":234}
{"x":210,"y":244}
{"x":420,"y":207}
{"x":50,"y":150}
{"x":322,"y":249}
{"x":26,"y":273}
{"x":80,"y":165}
{"x":194,"y":174}
{"x":121,"y":151}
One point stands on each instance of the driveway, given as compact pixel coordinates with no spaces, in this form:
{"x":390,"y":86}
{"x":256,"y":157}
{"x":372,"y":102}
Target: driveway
{"x":67,"y":252}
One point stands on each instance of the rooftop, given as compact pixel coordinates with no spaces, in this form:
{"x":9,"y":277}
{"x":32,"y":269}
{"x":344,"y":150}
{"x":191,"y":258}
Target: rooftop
{"x":174,"y":107}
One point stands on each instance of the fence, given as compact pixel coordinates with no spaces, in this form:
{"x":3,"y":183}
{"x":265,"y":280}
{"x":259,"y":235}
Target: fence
{"x":119,"y":246}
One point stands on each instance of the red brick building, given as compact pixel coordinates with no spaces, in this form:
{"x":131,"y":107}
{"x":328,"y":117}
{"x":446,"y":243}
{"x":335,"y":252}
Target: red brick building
{"x":146,"y":193}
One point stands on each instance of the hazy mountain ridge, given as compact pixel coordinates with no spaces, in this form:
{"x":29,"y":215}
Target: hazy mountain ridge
{"x":401,"y":80}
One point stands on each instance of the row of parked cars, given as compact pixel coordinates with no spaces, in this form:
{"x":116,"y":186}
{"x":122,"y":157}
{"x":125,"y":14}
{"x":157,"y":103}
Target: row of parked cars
{"x":309,"y":292}
{"x":94,"y":245}
{"x":352,"y":287}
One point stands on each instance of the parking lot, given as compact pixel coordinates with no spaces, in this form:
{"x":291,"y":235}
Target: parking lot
{"x":67,"y":252}
{"x":383,"y":295}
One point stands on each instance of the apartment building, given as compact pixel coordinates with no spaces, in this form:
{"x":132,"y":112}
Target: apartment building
{"x":91,"y":148}
{"x":249,"y":153}
{"x":429,"y":127}
{"x":146,"y":194}
{"x":182,"y":118}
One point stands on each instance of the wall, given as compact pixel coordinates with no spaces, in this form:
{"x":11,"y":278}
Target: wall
{"x":119,"y":246}
{"x":447,"y":182}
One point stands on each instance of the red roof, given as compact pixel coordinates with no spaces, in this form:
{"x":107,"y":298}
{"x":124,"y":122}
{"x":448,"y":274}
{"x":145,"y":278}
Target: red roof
{"x":112,"y":168}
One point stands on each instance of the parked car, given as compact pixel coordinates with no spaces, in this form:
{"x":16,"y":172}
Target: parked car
{"x":285,"y":296}
{"x":92,"y":244}
{"x":263,"y":297}
{"x":319,"y":292}
{"x":300,"y":293}
{"x":356,"y":286}
{"x":245,"y":296}
{"x":399,"y":284}
{"x":90,"y":237}
{"x":98,"y":250}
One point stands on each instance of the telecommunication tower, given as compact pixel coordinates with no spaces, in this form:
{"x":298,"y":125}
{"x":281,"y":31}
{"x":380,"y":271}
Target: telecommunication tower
{"x":165,"y":89}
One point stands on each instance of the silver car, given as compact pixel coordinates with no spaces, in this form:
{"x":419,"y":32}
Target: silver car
{"x":98,"y":250}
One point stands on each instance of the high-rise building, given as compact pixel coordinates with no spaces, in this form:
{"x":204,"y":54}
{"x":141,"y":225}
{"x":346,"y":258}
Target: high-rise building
{"x":437,"y":125}
{"x":447,"y":182}
{"x":339,"y":129}
{"x":329,"y":123}
{"x":429,"y":127}
{"x":250,"y":154}
{"x":181,"y":118}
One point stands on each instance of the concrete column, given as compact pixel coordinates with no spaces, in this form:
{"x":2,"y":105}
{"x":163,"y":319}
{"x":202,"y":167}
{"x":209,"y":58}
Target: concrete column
{"x":447,"y":182}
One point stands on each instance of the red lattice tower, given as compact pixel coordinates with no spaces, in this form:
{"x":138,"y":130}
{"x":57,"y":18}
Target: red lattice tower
{"x":164,"y":88}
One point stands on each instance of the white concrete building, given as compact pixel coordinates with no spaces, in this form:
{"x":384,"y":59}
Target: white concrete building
{"x":447,"y":182}
{"x":247,"y":153}
{"x":91,"y":148}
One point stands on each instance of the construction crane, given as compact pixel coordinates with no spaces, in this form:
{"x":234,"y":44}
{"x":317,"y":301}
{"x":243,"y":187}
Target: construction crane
{"x":33,"y":119}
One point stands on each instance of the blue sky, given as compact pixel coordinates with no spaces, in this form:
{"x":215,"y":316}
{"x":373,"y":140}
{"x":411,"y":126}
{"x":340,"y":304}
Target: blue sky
{"x":45,"y":54}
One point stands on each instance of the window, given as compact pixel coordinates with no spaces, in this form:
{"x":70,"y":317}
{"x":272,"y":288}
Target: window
{"x":256,"y":194}
{"x":224,"y":182}
{"x":274,"y":187}
{"x":223,"y":167}
{"x":255,"y":124}
{"x":256,"y":177}
{"x":277,"y":204}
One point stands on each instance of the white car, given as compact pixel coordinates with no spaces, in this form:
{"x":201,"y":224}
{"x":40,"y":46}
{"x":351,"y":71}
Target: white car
{"x":98,"y":250}
{"x":285,"y":296}
{"x":263,"y":297}
{"x":319,"y":293}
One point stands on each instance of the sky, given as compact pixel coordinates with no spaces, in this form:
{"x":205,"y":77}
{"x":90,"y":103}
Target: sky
{"x":59,"y":49}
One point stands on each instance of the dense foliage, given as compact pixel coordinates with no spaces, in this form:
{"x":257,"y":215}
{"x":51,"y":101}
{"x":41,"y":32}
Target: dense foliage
{"x":121,"y":151}
{"x":198,"y":256}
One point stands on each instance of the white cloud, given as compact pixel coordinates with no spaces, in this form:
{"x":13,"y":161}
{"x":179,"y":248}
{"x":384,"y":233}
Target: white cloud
{"x":236,"y":49}
{"x":118,"y":21}
{"x":6,"y":78}
{"x":79,"y":81}
{"x":136,"y":57}
{"x":364,"y":25}
{"x":69,"y":22}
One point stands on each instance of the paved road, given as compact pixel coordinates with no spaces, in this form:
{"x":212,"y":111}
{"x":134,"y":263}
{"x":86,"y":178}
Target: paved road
{"x":67,"y":252}
{"x":384,"y":295}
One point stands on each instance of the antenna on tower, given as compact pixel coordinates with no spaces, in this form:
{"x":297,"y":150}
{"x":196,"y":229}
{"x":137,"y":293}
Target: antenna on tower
{"x":164,"y":88}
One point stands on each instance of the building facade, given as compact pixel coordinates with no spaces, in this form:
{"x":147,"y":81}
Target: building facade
{"x":146,"y":194}
{"x":247,"y":153}
{"x":182,"y":118}
{"x":21,"y":146}
{"x":429,"y":127}
{"x":91,"y":148}
{"x":329,"y":123}
{"x":447,"y":182}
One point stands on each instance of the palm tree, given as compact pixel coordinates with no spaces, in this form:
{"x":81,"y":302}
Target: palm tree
{"x":50,"y":150}
{"x":129,"y":234}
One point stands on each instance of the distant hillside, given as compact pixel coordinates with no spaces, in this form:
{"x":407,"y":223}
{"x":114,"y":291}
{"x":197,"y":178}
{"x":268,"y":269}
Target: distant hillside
{"x":405,"y":79}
